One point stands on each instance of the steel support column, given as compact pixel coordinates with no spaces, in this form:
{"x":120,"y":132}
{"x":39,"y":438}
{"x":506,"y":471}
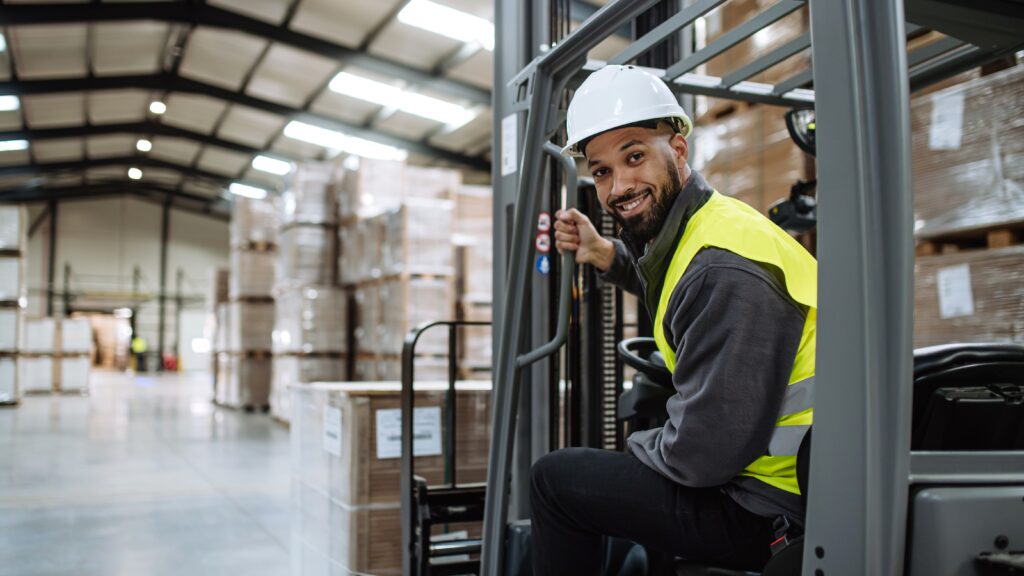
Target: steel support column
{"x":857,"y":508}
{"x":51,"y":262}
{"x":165,"y":232}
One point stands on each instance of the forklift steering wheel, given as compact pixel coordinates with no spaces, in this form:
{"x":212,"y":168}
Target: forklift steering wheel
{"x":642,"y":354}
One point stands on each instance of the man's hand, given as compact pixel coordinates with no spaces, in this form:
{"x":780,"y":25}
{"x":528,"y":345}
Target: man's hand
{"x":574,"y":231}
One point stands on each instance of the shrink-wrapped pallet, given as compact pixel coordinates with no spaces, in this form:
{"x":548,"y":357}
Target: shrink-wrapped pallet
{"x":220,"y":285}
{"x":10,"y":329}
{"x":407,"y":303}
{"x":252,"y":273}
{"x":308,"y":254}
{"x":254,"y":222}
{"x":40,"y":336}
{"x":75,"y":336}
{"x":13,"y":228}
{"x":244,"y":381}
{"x":370,"y":186}
{"x":345,"y":468}
{"x":310,"y":196}
{"x":971,"y":296}
{"x":968,"y":155}
{"x":311,"y":319}
{"x":251,"y":326}
{"x":298,"y":370}
{"x":9,"y":388}
{"x":368,"y":318}
{"x":12,"y":278}
{"x":418,"y":238}
{"x":74,"y":373}
{"x":36,"y":374}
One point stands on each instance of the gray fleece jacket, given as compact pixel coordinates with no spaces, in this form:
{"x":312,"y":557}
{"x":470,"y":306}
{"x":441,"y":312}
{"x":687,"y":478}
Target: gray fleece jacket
{"x":738,"y":330}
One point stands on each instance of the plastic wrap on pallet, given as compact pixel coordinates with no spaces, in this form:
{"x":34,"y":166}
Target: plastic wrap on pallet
{"x":418,"y":238}
{"x":298,"y":371}
{"x":252,"y":327}
{"x":310,"y":196}
{"x":971,"y":296}
{"x":252,"y":273}
{"x":74,"y":374}
{"x":407,"y":303}
{"x":749,"y":155}
{"x":365,"y":369}
{"x":12,"y":278}
{"x":12,"y":228}
{"x":425,"y":369}
{"x":222,"y":336}
{"x":345,"y":468}
{"x":431,"y":183}
{"x":473,"y":204}
{"x":369,"y":185}
{"x":476,"y":270}
{"x":9,"y":389}
{"x":350,"y":248}
{"x":220,"y":285}
{"x":10,"y":329}
{"x":368,"y":318}
{"x":311,"y":319}
{"x":307,"y":255}
{"x":968,"y":155}
{"x":226,"y":392}
{"x":75,"y":335}
{"x":40,"y":336}
{"x":476,"y":342}
{"x":243,"y":382}
{"x":36,"y":373}
{"x":253,"y":221}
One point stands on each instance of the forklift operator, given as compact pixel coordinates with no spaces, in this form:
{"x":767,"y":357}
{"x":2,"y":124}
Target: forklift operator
{"x":735,"y":301}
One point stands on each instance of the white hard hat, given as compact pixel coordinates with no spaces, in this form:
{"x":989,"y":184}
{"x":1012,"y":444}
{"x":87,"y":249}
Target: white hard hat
{"x":617,"y":96}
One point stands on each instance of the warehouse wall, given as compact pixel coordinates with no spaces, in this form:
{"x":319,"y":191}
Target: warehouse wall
{"x":103,"y":240}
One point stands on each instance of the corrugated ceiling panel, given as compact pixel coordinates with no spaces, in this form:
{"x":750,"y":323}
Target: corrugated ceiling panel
{"x":289,"y":75}
{"x":194,"y":112}
{"x":270,"y":181}
{"x":161,"y":176}
{"x":5,"y":69}
{"x":50,"y":110}
{"x":344,"y":107}
{"x":413,"y":46}
{"x":115,"y":106}
{"x":481,"y":8}
{"x":345,"y":23}
{"x":202,"y":188}
{"x":407,"y":125}
{"x":14,"y":158}
{"x":469,"y":135}
{"x":10,"y":120}
{"x":296,"y":148}
{"x":49,"y":51}
{"x":477,"y":70}
{"x":110,"y":146}
{"x":128,"y":47}
{"x":250,"y":126}
{"x":220,"y":57}
{"x":272,"y":11}
{"x":15,"y":180}
{"x":107,"y":174}
{"x":64,"y":180}
{"x":179,"y":150}
{"x":58,"y":150}
{"x":222,"y":161}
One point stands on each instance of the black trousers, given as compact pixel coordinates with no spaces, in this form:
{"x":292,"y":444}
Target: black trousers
{"x":579,"y":496}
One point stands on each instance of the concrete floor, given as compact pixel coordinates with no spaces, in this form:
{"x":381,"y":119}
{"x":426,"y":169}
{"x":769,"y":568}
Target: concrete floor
{"x":144,"y":476}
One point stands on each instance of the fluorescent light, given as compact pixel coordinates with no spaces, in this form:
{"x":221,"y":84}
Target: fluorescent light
{"x":272,"y":165}
{"x":449,"y":22}
{"x":143,"y":145}
{"x":393,"y":97}
{"x":9,"y":103}
{"x":247,"y":191}
{"x":122,"y":312}
{"x":342,"y":142}
{"x":135,"y":174}
{"x":201,"y":346}
{"x":3,"y":43}
{"x":157,"y":107}
{"x":12,"y":145}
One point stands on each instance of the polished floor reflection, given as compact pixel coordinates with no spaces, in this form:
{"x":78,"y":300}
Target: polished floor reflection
{"x":144,"y":476}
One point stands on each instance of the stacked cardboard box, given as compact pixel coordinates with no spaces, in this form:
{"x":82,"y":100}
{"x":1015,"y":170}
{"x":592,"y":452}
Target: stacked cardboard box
{"x":13,"y":244}
{"x":244,"y":370}
{"x":397,"y":258}
{"x":345,"y":468}
{"x":217,"y":326}
{"x":38,"y":354}
{"x":76,"y":348}
{"x":968,"y":167}
{"x":311,"y":328}
{"x":474,"y":228}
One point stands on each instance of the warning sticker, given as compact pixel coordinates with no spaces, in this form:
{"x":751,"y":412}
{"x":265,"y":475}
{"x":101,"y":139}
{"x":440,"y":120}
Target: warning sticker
{"x":543,"y":243}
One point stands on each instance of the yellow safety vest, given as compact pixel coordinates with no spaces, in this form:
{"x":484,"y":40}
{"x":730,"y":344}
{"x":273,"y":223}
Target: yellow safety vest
{"x":729,"y":224}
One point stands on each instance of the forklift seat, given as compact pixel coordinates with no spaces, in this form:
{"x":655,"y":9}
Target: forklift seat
{"x":966,"y":396}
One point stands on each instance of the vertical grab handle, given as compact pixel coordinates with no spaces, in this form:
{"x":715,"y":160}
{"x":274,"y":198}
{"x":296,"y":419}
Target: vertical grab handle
{"x":568,"y":263}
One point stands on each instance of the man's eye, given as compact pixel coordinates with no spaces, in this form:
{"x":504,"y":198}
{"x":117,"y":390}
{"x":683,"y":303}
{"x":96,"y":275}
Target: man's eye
{"x":636,"y":156}
{"x":599,"y":172}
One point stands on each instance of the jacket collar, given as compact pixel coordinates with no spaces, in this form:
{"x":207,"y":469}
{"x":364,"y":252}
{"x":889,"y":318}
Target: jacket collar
{"x":652,"y":261}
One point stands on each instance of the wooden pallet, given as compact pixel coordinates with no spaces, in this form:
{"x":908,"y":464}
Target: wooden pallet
{"x":991,"y":238}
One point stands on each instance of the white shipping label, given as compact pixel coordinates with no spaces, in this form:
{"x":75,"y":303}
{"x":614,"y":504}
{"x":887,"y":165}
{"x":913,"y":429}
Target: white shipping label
{"x":947,"y":121}
{"x":955,"y":296}
{"x":509,"y":144}
{"x":332,"y":430}
{"x":426,"y":432}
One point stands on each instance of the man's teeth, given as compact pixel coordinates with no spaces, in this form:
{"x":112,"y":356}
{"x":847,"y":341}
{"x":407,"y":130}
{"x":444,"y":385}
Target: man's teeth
{"x":631,"y":204}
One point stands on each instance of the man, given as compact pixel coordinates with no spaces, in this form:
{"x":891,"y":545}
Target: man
{"x":734,"y":299}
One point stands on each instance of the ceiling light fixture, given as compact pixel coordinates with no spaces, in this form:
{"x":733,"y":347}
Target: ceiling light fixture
{"x":157,"y":107}
{"x":449,"y":22}
{"x":342,"y":142}
{"x":247,"y":191}
{"x":12,"y":145}
{"x":135,"y":174}
{"x":143,"y":145}
{"x":390,"y":96}
{"x":9,"y":103}
{"x":3,"y":43}
{"x":271,"y":165}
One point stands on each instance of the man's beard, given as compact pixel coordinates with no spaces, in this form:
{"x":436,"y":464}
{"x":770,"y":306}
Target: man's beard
{"x":643,"y":228}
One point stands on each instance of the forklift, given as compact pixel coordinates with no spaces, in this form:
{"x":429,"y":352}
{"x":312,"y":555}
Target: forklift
{"x":917,"y":460}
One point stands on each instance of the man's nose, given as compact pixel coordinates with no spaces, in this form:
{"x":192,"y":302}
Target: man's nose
{"x":624,"y":184}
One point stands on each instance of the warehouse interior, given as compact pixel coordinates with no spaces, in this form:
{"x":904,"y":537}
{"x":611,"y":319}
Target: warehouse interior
{"x":280,"y":290}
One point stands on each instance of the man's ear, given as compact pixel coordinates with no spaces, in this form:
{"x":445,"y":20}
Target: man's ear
{"x":680,"y":148}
